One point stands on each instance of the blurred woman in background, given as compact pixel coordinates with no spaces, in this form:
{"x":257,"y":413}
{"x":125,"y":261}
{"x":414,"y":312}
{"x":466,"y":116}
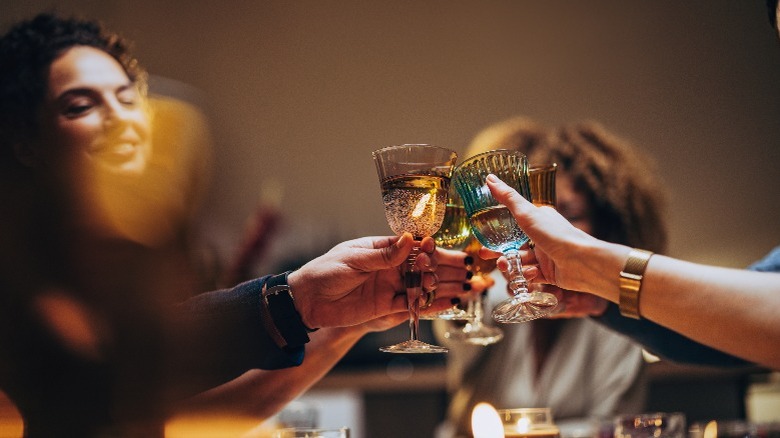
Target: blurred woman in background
{"x":583,"y":371}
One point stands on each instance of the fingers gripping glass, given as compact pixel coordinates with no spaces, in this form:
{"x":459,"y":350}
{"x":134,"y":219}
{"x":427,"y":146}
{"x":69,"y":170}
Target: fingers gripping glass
{"x":415,"y":180}
{"x":495,"y":227}
{"x":475,"y":331}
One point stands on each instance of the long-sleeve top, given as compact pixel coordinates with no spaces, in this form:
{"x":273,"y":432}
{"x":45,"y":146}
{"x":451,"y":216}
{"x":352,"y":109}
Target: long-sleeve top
{"x":231,"y":339}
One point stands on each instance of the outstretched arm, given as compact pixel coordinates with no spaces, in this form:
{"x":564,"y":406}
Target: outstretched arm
{"x":263,"y":393}
{"x":732,"y":310}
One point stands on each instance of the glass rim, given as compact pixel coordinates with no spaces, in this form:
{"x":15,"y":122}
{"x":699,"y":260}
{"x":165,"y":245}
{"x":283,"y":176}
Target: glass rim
{"x":407,"y":145}
{"x":525,"y":410}
{"x":542,"y":167}
{"x":492,"y":152}
{"x":649,"y":415}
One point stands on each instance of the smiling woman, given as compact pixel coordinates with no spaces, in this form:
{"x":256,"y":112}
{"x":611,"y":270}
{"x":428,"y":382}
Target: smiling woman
{"x":79,"y":309}
{"x":103,"y":326}
{"x":93,"y":109}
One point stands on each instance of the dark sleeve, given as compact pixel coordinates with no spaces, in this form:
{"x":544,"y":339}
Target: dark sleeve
{"x":673,"y":346}
{"x":217,"y":336}
{"x":667,"y":344}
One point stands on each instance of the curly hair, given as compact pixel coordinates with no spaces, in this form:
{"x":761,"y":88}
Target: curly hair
{"x":27,"y":51}
{"x":625,"y":198}
{"x":519,"y":133}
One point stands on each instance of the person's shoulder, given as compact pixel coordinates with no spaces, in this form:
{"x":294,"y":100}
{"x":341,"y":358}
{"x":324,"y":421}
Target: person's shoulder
{"x":770,"y":262}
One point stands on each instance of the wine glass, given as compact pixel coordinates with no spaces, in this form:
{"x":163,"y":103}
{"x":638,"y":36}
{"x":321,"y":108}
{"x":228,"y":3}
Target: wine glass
{"x":541,"y":182}
{"x":495,"y":227}
{"x":415,"y":179}
{"x":650,"y":425}
{"x":475,"y":331}
{"x":453,"y":234}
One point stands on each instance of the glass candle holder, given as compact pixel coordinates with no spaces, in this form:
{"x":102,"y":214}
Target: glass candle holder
{"x":651,"y":425}
{"x":528,"y":423}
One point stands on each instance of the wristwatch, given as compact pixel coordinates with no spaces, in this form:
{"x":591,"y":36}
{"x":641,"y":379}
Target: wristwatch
{"x":281,"y":319}
{"x":631,"y":282}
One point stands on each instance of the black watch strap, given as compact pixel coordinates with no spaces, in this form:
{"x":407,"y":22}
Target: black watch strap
{"x":288,"y":330}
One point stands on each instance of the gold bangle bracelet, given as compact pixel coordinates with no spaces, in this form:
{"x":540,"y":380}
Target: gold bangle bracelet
{"x":631,"y":282}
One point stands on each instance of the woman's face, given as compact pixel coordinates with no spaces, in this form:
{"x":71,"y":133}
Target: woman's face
{"x":93,"y":111}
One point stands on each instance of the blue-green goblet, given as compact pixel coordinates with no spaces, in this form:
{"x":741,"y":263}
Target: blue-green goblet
{"x":495,"y":227}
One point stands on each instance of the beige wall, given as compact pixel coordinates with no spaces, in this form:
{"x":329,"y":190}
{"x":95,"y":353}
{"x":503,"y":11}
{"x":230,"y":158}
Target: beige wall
{"x":301,"y":92}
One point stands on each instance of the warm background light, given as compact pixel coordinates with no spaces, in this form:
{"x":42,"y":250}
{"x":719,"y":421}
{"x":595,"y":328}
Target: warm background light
{"x":302,"y":92}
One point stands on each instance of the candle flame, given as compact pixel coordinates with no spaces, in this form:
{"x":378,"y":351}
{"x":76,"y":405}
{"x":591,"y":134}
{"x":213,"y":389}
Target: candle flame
{"x":523,"y":425}
{"x":485,"y":422}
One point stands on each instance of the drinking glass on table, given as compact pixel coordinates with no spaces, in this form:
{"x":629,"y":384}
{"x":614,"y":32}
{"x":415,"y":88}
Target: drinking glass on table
{"x":651,"y":425}
{"x":415,"y":179}
{"x":495,"y":227}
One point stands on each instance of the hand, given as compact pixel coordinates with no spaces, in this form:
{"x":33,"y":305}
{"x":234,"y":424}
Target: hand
{"x":456,"y":280}
{"x":561,"y":250}
{"x":360,"y":280}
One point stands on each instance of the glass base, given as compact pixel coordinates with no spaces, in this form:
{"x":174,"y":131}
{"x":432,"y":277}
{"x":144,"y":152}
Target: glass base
{"x":452,"y":314}
{"x":413,"y":347}
{"x":476,"y":334}
{"x":525,"y":307}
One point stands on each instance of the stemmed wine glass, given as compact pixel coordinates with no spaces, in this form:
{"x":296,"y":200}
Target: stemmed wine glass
{"x":454,"y":234}
{"x":475,"y":331}
{"x":415,"y":179}
{"x":541,"y":182}
{"x":495,"y":227}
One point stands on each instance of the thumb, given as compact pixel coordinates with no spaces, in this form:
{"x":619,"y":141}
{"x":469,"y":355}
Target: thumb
{"x":517,"y":204}
{"x":389,"y":256}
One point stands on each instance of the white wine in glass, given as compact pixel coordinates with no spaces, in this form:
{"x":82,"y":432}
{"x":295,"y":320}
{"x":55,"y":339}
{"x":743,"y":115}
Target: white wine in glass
{"x":415,"y":179}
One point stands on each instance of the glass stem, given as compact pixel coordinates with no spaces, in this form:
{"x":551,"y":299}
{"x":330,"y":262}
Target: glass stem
{"x":517,"y":283}
{"x":479,"y":311}
{"x":413,"y":283}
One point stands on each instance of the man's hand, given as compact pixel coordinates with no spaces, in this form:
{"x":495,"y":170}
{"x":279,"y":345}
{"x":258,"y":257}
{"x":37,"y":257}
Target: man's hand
{"x":360,"y":280}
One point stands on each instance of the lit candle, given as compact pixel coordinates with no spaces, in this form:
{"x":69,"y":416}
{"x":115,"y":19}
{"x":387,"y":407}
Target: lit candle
{"x":519,"y":429}
{"x":485,"y":422}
